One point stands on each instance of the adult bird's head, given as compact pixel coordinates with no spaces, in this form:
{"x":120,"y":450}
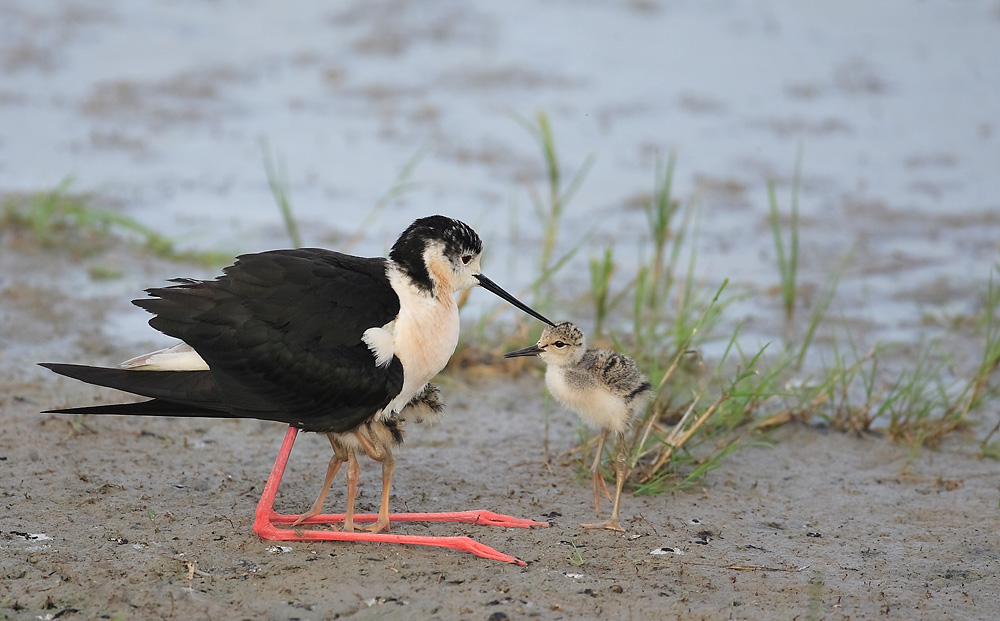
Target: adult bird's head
{"x":441,"y":255}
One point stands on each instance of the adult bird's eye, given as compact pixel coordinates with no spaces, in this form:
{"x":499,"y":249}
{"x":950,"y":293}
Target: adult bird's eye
{"x":559,"y":344}
{"x":466,"y":258}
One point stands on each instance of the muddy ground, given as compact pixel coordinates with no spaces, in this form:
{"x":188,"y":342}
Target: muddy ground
{"x":163,"y":110}
{"x":130,"y":518}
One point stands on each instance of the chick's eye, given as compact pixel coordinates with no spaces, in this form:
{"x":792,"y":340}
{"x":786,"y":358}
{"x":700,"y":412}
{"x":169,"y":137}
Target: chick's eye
{"x":466,"y":258}
{"x":559,"y":344}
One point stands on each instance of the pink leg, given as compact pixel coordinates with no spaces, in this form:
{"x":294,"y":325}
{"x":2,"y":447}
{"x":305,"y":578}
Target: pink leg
{"x":267,"y":520}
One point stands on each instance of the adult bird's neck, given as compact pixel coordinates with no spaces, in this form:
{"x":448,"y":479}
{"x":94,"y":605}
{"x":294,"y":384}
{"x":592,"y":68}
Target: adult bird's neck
{"x":425,"y":333}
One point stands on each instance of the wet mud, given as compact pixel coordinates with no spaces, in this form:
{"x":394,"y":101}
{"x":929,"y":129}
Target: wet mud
{"x":163,"y":111}
{"x":121,"y":517}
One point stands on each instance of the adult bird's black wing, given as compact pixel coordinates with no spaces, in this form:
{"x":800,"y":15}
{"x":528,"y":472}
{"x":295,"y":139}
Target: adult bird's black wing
{"x":281,"y":333}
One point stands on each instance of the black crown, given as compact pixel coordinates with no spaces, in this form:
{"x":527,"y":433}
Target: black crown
{"x":458,"y":239}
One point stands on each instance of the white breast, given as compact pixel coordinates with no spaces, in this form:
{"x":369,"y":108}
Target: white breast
{"x":425,"y":336}
{"x":595,"y":404}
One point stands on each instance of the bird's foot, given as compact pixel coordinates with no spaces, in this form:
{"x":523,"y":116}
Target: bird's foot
{"x":381,"y":525}
{"x":305,"y":516}
{"x":614,"y":525}
{"x":490,"y":518}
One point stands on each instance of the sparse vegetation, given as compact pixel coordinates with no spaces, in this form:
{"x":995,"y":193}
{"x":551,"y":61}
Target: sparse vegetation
{"x":788,"y":259}
{"x":601,"y":270}
{"x":550,"y":205}
{"x":277,"y":180}
{"x":60,"y":218}
{"x":660,"y":211}
{"x":576,"y":558}
{"x":704,"y":407}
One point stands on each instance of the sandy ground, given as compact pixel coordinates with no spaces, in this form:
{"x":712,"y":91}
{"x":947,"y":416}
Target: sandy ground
{"x":145,"y":518}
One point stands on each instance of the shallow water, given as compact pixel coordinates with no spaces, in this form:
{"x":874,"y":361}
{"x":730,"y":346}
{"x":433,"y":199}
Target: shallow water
{"x":164,"y":108}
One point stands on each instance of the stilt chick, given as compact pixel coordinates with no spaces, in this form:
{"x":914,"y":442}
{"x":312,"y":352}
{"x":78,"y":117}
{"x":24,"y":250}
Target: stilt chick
{"x":605,"y":388}
{"x":376,"y":438}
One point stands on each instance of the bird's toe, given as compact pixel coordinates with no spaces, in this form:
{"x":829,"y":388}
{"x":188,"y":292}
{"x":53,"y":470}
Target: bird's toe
{"x":608,"y":525}
{"x":378,"y":527}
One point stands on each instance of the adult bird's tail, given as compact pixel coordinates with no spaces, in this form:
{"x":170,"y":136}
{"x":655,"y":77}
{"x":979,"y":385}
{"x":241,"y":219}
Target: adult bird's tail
{"x":173,"y":393}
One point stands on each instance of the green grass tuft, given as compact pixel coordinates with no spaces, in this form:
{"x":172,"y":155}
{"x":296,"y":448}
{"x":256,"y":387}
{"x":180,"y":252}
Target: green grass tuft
{"x":277,"y":180}
{"x":549,"y":207}
{"x":60,"y":218}
{"x":788,"y":258}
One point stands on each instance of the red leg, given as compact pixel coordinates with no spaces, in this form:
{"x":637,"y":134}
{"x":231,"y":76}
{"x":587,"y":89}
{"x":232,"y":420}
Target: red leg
{"x":267,"y":520}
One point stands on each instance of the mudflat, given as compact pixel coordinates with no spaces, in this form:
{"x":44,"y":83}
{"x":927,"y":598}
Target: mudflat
{"x":120,"y":518}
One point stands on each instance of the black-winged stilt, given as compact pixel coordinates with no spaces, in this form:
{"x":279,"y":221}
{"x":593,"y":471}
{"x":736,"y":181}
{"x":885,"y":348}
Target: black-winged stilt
{"x":320,"y":340}
{"x":605,"y":388}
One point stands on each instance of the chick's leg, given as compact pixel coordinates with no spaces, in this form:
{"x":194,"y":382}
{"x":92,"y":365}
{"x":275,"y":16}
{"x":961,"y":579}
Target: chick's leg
{"x":353,"y":475}
{"x":382,"y":524}
{"x":339,"y":457}
{"x":613,"y":523}
{"x":595,"y":471}
{"x":379,"y":452}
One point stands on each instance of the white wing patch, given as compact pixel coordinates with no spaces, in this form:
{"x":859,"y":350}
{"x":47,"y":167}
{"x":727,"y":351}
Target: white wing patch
{"x":180,"y":357}
{"x":381,"y":342}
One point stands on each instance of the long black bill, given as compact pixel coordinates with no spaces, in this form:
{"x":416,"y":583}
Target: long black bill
{"x":534,"y":350}
{"x":495,"y":289}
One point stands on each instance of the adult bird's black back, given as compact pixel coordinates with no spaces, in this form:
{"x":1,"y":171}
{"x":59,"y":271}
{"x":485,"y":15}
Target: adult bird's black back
{"x":320,"y":340}
{"x":279,"y":337}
